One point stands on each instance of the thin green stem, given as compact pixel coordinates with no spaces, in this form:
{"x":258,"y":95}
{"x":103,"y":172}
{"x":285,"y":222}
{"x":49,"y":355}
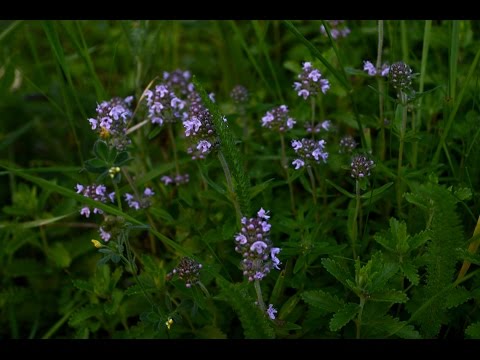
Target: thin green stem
{"x":355,"y":219}
{"x":312,"y":104}
{"x":314,"y":190}
{"x":117,"y":195}
{"x":380,"y":84}
{"x":228,"y":177}
{"x":285,"y":167}
{"x":258,"y":290}
{"x":403,"y":99}
{"x":423,"y":70}
{"x":359,"y":317}
{"x":174,"y":147}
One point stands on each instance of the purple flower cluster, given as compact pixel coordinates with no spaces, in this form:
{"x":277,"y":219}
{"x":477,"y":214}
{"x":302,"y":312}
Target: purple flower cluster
{"x":188,"y":270}
{"x":373,"y":71}
{"x":179,"y":81}
{"x":163,"y":105}
{"x":271,"y":311}
{"x":140,"y":203}
{"x":253,"y":242}
{"x":309,"y":151}
{"x":337,"y":29}
{"x":361,"y":166}
{"x":311,"y":82}
{"x":175,"y":180}
{"x":325,"y":125}
{"x":239,"y":94}
{"x":278,"y":119}
{"x":347,"y":144}
{"x":199,"y":128}
{"x":111,"y":121}
{"x":97,"y":193}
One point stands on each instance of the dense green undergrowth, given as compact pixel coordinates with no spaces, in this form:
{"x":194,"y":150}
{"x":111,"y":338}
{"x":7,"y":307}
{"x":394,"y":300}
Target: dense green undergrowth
{"x":145,"y":194}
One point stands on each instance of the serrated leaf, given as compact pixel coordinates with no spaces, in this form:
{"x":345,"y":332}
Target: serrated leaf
{"x":85,"y":313}
{"x":463,"y":194}
{"x":392,"y":296}
{"x":341,"y":273}
{"x":343,"y":316}
{"x":323,"y":300}
{"x":410,"y":271}
{"x":473,"y":330}
{"x":83,"y":285}
{"x":111,"y":307}
{"x":457,"y":297}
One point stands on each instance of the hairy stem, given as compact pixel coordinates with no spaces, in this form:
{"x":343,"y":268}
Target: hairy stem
{"x":258,"y":290}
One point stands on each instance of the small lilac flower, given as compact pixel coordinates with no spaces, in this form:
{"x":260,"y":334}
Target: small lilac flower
{"x":338,"y":29}
{"x":239,"y":94}
{"x":95,"y":192}
{"x":311,"y":82}
{"x":347,"y":144}
{"x":142,"y":202}
{"x":325,"y":125}
{"x":175,"y":180}
{"x":179,"y":81}
{"x":271,"y":311}
{"x":111,"y":121}
{"x":188,"y":270}
{"x":104,"y":234}
{"x":199,"y":128}
{"x":361,"y":166}
{"x":278,"y":119}
{"x":163,"y":105}
{"x":253,"y":242}
{"x":310,"y":151}
{"x":373,"y":71}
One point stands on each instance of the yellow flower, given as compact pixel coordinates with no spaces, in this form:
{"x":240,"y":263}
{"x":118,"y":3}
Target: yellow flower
{"x":97,"y":243}
{"x":169,"y":323}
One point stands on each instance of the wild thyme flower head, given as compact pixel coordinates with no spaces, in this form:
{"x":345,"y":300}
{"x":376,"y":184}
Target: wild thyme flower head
{"x":111,"y":121}
{"x":179,"y":81}
{"x":347,"y":144}
{"x":253,"y":242}
{"x":311,"y":82}
{"x":361,"y":166}
{"x":338,"y":29}
{"x":175,"y":180}
{"x":188,"y":270}
{"x":325,"y":125}
{"x":163,"y":105}
{"x":199,"y":128}
{"x":309,"y":152}
{"x":278,"y":119}
{"x":373,"y":71}
{"x":239,"y":94}
{"x":95,"y":192}
{"x":271,"y":311}
{"x":400,"y":76}
{"x":142,"y":202}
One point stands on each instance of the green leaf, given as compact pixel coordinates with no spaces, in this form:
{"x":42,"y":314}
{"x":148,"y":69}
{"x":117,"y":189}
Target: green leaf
{"x":257,"y":189}
{"x":83,"y":285}
{"x":391,"y":296}
{"x":255,"y":323}
{"x":457,"y":297}
{"x":210,"y":332}
{"x":111,"y":307}
{"x":60,"y":255}
{"x":85,"y":313}
{"x":343,"y":191}
{"x":96,"y":165}
{"x":323,"y":300}
{"x":410,"y":272}
{"x":341,"y":273}
{"x":375,"y":193}
{"x":122,"y":159}
{"x":343,"y":316}
{"x":473,"y":330}
{"x":101,"y":151}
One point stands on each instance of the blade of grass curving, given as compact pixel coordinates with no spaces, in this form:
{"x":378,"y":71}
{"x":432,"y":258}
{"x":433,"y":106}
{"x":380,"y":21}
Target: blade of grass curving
{"x":453,"y":58}
{"x":266,"y":54}
{"x":251,"y":57}
{"x":404,"y":40}
{"x":9,"y":29}
{"x":74,"y":31}
{"x":458,"y":101}
{"x":51,"y":32}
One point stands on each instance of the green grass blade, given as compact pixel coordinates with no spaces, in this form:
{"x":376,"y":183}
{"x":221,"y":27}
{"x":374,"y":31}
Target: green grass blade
{"x":9,"y":29}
